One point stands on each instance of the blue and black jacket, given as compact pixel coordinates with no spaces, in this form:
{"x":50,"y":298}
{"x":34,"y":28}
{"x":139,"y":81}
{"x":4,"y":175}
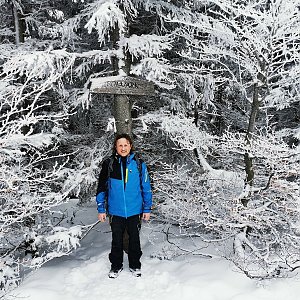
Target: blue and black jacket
{"x":125,"y":191}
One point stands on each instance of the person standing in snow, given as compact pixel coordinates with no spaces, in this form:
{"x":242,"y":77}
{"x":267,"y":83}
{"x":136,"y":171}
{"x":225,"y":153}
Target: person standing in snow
{"x":124,"y":193}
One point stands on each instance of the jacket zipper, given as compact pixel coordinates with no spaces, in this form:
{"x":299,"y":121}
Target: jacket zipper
{"x":123,"y":188}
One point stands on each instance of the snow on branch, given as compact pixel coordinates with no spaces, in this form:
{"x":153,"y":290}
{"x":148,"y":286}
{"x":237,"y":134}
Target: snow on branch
{"x":184,"y":133}
{"x":187,"y":136}
{"x":21,"y":102}
{"x":65,"y":239}
{"x":107,"y":16}
{"x":248,"y":44}
{"x":38,"y":64}
{"x":156,"y":70}
{"x":32,"y":168}
{"x":167,"y":11}
{"x":130,"y":8}
{"x":146,"y":45}
{"x":91,"y":58}
{"x":269,"y":148}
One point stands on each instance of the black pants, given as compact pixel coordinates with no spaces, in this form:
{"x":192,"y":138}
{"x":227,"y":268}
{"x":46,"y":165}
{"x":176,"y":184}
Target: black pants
{"x":132,"y":225}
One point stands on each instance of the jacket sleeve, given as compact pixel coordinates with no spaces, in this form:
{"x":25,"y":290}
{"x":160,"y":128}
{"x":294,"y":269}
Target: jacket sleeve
{"x":146,"y":190}
{"x":101,"y":195}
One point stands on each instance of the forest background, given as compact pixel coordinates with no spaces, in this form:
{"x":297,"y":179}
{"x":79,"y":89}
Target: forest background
{"x":220,"y":135}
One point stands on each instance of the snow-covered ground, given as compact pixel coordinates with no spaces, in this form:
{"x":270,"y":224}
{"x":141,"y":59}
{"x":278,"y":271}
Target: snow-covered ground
{"x":83,"y":275}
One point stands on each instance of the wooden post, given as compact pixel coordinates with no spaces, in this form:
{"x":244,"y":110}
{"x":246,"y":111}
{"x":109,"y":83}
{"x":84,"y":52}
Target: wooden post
{"x":122,"y":87}
{"x":122,"y":114}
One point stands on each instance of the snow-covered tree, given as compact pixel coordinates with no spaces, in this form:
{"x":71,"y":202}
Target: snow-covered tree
{"x":32,"y":169}
{"x":251,"y":47}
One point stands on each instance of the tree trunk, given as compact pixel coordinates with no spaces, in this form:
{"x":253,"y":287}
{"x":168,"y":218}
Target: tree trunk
{"x":122,"y":114}
{"x":254,"y":112}
{"x":122,"y":104}
{"x":19,"y":25}
{"x":251,"y":126}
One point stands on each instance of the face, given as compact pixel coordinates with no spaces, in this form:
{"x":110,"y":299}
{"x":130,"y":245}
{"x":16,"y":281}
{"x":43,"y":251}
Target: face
{"x":123,"y":147}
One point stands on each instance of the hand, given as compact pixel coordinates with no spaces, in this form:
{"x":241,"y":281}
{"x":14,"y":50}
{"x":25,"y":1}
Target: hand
{"x":146,"y":216}
{"x":102,"y":217}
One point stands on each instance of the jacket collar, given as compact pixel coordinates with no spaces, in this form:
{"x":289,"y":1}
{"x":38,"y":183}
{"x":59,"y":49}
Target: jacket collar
{"x":129,"y":157}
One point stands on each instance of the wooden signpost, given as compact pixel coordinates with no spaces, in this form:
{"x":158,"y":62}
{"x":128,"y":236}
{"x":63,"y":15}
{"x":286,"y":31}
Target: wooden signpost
{"x":122,"y":87}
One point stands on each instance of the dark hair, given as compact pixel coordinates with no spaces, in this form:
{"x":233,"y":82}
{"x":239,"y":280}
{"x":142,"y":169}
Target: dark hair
{"x":122,"y":136}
